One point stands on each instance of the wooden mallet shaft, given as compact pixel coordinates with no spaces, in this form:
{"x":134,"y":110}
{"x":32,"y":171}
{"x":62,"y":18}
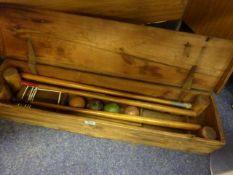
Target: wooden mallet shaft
{"x":136,"y":119}
{"x":147,"y":105}
{"x":69,"y":84}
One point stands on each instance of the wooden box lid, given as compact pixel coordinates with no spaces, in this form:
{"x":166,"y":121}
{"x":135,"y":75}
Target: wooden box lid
{"x":116,"y":49}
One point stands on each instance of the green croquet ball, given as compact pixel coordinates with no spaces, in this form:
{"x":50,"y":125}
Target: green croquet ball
{"x":112,"y":107}
{"x":95,"y":105}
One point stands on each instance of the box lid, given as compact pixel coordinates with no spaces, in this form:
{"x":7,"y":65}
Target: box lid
{"x":145,"y":11}
{"x":117,"y":49}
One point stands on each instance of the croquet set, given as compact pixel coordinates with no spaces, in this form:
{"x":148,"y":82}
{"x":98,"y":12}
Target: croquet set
{"x":112,"y":80}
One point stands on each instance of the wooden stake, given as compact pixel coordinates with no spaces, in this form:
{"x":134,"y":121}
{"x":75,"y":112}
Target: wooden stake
{"x":75,"y":85}
{"x":137,"y":119}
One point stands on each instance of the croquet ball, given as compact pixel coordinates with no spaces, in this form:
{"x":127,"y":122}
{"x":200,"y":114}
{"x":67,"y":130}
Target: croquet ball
{"x":112,"y":107}
{"x":131,"y":110}
{"x":95,"y":105}
{"x":208,"y":133}
{"x":77,"y":101}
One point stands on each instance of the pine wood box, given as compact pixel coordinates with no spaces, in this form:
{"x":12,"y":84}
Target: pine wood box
{"x":121,"y":56}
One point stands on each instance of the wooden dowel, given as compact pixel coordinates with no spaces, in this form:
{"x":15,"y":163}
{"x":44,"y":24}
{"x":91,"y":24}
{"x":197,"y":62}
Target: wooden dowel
{"x":137,"y":119}
{"x":75,"y":85}
{"x":13,"y":78}
{"x":147,"y":105}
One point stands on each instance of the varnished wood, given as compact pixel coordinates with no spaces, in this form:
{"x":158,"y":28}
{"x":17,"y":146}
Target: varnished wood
{"x":163,"y":116}
{"x":210,"y":17}
{"x":212,"y":118}
{"x":147,"y":105}
{"x":125,"y":85}
{"x":91,"y":59}
{"x":111,"y":130}
{"x":136,"y":52}
{"x":114,"y":130}
{"x":128,"y":10}
{"x":117,"y":50}
{"x":74,"y":85}
{"x":137,"y":119}
{"x":31,"y":56}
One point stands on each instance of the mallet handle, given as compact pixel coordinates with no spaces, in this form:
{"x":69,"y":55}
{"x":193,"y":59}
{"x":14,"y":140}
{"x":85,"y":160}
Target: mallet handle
{"x":147,"y":105}
{"x":74,"y":85}
{"x":136,"y":119}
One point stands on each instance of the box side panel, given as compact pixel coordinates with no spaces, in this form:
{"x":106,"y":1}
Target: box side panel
{"x":213,"y":119}
{"x":109,"y":130}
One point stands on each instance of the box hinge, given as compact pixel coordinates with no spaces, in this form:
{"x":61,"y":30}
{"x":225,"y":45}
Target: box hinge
{"x":31,"y":57}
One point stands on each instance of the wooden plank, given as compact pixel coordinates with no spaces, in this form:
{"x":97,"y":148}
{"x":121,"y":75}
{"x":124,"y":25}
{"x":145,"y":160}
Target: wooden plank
{"x":137,"y":87}
{"x":158,"y":45}
{"x":72,"y":55}
{"x":128,"y":10}
{"x":147,"y":49}
{"x":110,"y":130}
{"x":212,"y":18}
{"x":214,"y":122}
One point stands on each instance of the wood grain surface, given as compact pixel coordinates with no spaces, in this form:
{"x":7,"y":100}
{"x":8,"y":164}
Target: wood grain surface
{"x":127,"y":10}
{"x":210,"y":17}
{"x":130,"y":102}
{"x":124,"y":85}
{"x":80,"y":86}
{"x":126,"y":50}
{"x":111,"y":130}
{"x":124,"y":117}
{"x":94,"y":127}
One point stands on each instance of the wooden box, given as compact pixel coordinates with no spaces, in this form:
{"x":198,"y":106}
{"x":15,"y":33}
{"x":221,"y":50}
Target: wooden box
{"x":120,"y":56}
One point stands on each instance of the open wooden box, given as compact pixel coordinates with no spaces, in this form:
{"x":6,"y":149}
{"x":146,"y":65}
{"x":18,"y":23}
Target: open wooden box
{"x":138,"y":59}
